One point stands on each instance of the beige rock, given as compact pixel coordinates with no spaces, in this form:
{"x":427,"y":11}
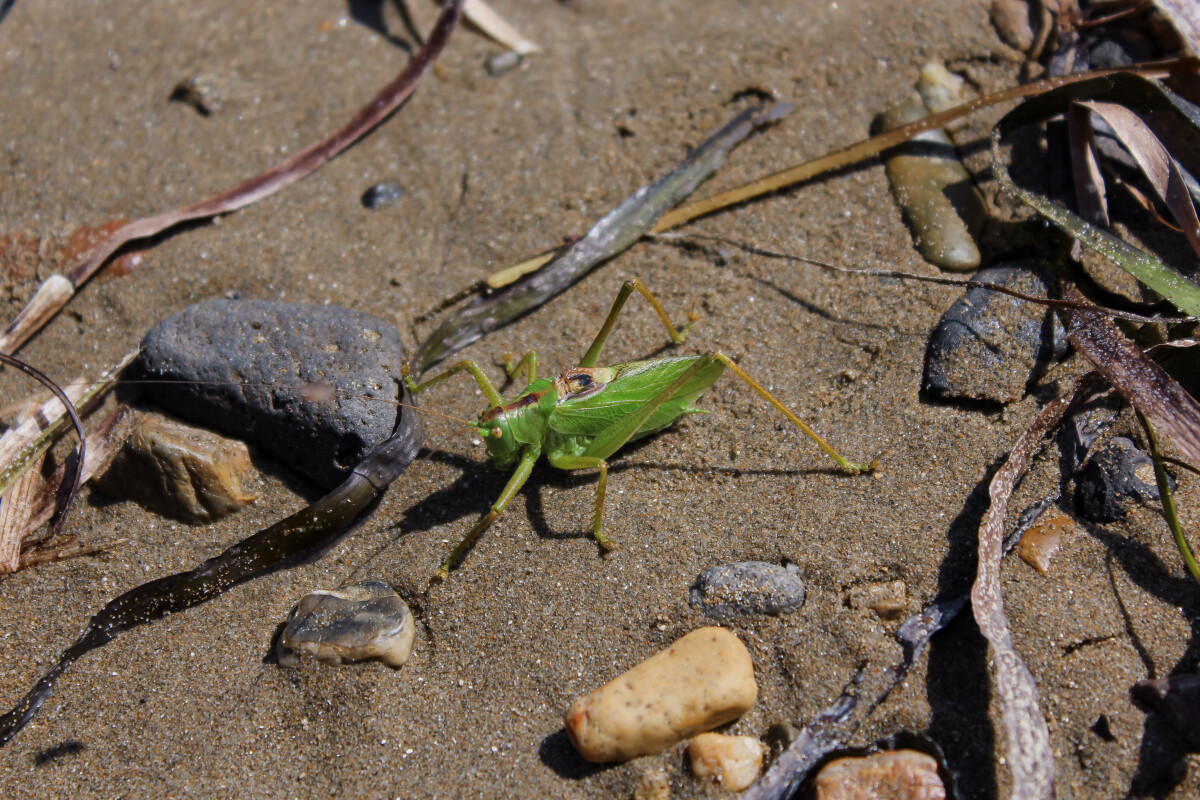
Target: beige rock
{"x":890,"y":775}
{"x":354,"y":623}
{"x":703,"y":680}
{"x":186,"y":473}
{"x":733,"y":761}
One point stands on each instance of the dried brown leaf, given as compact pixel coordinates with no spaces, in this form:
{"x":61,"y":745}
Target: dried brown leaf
{"x":1157,"y":164}
{"x":1147,"y":386}
{"x":16,"y":509}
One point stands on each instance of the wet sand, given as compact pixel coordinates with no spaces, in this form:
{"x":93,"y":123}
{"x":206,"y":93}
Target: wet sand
{"x":496,"y":169}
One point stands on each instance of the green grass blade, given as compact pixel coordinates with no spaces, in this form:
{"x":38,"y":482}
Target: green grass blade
{"x":1168,"y":502}
{"x":1177,"y":289}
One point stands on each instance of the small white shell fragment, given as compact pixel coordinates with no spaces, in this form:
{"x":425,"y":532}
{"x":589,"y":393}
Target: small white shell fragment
{"x":733,"y":761}
{"x":703,"y":680}
{"x":354,"y":623}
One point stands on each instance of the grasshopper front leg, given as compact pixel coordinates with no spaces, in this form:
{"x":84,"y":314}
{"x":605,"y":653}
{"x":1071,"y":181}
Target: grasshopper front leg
{"x":489,"y":391}
{"x":520,"y":475}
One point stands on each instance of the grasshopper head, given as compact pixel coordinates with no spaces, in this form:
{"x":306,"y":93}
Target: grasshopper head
{"x":497,"y":434}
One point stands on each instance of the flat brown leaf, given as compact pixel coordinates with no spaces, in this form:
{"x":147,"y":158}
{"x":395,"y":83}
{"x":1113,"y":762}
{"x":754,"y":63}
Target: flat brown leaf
{"x":1156,"y":163}
{"x":1147,"y":386}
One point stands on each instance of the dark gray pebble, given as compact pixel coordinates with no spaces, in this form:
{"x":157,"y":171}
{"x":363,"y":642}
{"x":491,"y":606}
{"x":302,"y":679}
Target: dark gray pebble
{"x":249,"y":367}
{"x":1178,"y":699}
{"x":748,"y":587}
{"x":359,"y":621}
{"x":381,"y":195}
{"x":1116,"y":475}
{"x":987,"y":345}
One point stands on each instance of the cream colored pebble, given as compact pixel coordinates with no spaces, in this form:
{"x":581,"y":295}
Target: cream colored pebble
{"x":703,"y":680}
{"x":732,"y":761}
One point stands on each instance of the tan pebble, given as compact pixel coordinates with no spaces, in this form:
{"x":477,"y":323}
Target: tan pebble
{"x":653,"y":785}
{"x":1012,"y":21}
{"x":944,"y":210}
{"x":888,"y":599}
{"x":732,"y":761}
{"x":187,"y":473}
{"x":891,"y":775}
{"x":1041,"y":542}
{"x":703,"y":680}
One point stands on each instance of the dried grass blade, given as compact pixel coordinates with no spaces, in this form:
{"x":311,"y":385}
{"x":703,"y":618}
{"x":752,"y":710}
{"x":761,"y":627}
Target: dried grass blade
{"x":1029,"y":756}
{"x":486,"y":19}
{"x":20,"y":446}
{"x":282,"y":175}
{"x":69,"y":407}
{"x":1181,"y":292}
{"x":102,"y":445}
{"x":1089,"y":181}
{"x":16,"y":510}
{"x":1156,"y":163}
{"x":1146,"y":385}
{"x":877,"y":144}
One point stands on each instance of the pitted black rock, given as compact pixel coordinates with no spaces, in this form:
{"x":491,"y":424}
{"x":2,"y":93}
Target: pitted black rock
{"x":248,"y":368}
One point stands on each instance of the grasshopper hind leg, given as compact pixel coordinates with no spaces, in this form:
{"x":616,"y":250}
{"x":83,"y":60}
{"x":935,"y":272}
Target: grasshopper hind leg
{"x":846,"y":465}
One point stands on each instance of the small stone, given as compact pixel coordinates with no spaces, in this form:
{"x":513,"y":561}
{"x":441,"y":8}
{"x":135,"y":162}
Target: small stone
{"x":748,"y":587}
{"x":890,"y":775}
{"x":1116,"y":475}
{"x":888,"y":599}
{"x":987,"y":345}
{"x":354,"y":623}
{"x":654,"y":784}
{"x":249,"y":367}
{"x":1178,"y":699}
{"x":201,"y":92}
{"x":941,"y":89}
{"x":1042,"y":541}
{"x":1012,"y":21}
{"x":732,"y":761}
{"x":943,"y":208}
{"x":700,"y":682}
{"x":382,"y":195}
{"x":499,"y":63}
{"x":185,"y":473}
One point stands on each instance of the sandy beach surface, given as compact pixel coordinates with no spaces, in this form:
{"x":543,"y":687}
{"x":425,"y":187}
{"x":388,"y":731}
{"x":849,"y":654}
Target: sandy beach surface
{"x":496,"y":169}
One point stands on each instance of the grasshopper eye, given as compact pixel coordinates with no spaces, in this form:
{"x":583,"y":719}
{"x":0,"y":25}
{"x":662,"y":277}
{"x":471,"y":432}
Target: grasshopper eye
{"x":497,"y":433}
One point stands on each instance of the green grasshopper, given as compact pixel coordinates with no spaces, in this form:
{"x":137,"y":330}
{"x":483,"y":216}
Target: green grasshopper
{"x":585,"y":414}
